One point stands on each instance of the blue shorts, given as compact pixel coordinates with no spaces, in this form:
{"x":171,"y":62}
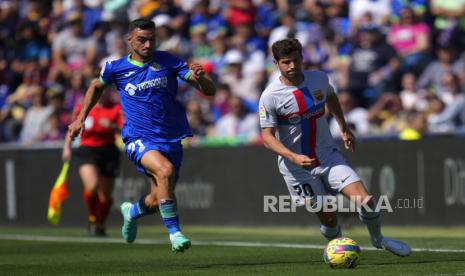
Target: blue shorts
{"x":135,"y":149}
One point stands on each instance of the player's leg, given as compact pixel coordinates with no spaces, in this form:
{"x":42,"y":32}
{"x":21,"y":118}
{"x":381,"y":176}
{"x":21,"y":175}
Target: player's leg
{"x":105,"y":201}
{"x":89,"y":177}
{"x":108,"y":166}
{"x":307,"y":189}
{"x":165,"y":174}
{"x":356,"y":191}
{"x":329,"y":226}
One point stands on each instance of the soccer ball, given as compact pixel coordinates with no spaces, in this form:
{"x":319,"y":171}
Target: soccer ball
{"x":342,"y":253}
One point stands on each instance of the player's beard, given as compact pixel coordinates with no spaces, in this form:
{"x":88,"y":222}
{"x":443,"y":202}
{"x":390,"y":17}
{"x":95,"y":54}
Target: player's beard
{"x":294,"y":76}
{"x":145,"y":54}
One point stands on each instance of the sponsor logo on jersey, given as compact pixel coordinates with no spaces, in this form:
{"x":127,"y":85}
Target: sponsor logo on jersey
{"x":318,"y":95}
{"x":153,"y":83}
{"x":296,"y":118}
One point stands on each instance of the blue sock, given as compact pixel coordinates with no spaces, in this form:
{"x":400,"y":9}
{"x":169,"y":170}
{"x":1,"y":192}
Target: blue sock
{"x":139,"y":209}
{"x":169,"y":213}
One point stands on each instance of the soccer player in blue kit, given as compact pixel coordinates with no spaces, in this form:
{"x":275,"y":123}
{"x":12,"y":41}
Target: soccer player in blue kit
{"x":155,"y":123}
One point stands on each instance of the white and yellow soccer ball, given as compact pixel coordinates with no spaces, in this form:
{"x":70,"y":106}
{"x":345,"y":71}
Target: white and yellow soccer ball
{"x":342,"y":253}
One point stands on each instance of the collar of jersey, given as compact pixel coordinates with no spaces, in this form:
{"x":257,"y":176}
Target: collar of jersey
{"x":138,"y":63}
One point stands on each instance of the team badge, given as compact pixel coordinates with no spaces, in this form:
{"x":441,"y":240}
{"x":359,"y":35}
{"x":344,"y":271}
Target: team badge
{"x":318,"y":95}
{"x":155,"y":66}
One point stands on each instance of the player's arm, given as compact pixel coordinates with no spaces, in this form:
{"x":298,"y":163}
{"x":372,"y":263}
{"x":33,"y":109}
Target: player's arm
{"x":332,"y":102}
{"x":66,"y":152}
{"x":271,"y":142}
{"x":199,"y":80}
{"x":93,"y":93}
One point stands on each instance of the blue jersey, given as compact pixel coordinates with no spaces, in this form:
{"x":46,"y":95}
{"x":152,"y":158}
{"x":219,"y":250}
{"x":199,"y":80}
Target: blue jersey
{"x":148,"y":96}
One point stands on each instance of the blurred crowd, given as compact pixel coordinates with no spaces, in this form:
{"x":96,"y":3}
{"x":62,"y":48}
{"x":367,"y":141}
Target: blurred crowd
{"x":398,"y":65}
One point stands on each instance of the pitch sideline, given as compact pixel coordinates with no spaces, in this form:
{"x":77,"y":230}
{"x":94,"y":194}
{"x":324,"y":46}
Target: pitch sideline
{"x":206,"y":243}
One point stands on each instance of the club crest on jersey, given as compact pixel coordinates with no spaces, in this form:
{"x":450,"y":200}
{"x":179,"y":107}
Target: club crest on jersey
{"x":318,"y":95}
{"x":155,"y":66}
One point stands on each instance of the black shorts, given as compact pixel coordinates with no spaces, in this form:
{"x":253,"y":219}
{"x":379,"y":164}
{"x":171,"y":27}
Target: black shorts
{"x":106,"y":158}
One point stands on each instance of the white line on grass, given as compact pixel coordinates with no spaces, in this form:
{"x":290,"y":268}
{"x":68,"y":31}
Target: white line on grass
{"x":209,"y":243}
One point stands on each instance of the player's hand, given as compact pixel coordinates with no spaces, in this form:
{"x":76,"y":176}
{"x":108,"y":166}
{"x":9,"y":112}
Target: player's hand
{"x":303,"y":161}
{"x":349,"y":139}
{"x":75,"y":129}
{"x":196,"y":70}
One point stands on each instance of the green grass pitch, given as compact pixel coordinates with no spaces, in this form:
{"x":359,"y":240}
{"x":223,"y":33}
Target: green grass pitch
{"x":222,"y":251}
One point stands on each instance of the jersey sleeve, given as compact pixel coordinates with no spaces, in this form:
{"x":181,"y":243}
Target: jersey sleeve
{"x":267,"y":111}
{"x":178,"y":65}
{"x":106,"y":74}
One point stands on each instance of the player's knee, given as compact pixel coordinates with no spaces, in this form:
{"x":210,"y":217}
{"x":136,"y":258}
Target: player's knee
{"x":165,"y":171}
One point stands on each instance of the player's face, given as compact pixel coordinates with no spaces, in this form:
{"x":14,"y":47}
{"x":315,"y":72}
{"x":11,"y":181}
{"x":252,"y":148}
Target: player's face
{"x":290,"y":66}
{"x":142,"y":42}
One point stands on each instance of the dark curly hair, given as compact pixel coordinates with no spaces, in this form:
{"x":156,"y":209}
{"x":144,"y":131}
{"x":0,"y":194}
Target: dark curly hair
{"x":285,"y":47}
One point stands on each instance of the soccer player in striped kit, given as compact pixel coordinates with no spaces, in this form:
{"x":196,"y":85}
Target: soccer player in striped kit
{"x":293,"y":107}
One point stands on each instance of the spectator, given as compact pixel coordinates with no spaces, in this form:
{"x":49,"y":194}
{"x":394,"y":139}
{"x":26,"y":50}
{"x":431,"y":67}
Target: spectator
{"x":453,"y":114}
{"x":449,"y":20}
{"x":446,"y":62}
{"x":36,"y":120}
{"x":242,"y":85}
{"x":239,"y":12}
{"x":379,"y":9}
{"x":373,"y":68}
{"x":410,"y":38}
{"x":289,"y":28}
{"x":417,"y":126}
{"x":75,"y":91}
{"x":419,"y":7}
{"x":237,"y":123}
{"x":213,"y":24}
{"x":55,"y":132}
{"x":386,"y":114}
{"x":220,"y":105}
{"x":197,"y":121}
{"x":437,"y":107}
{"x":167,"y":39}
{"x":72,"y":51}
{"x":356,"y":117}
{"x":412,"y":99}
